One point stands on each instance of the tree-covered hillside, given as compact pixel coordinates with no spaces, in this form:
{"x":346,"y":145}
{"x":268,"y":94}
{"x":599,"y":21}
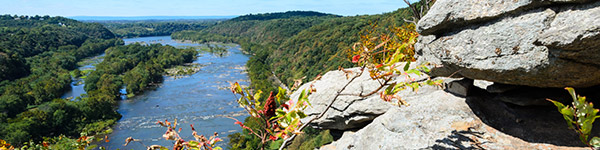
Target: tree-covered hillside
{"x":280,"y":15}
{"x":129,"y":29}
{"x":293,"y":47}
{"x":24,"y":36}
{"x":39,"y":52}
{"x":263,"y":29}
{"x":323,"y":47}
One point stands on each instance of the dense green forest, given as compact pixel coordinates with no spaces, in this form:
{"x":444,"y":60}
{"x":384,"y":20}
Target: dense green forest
{"x":41,"y":50}
{"x":23,"y":37}
{"x":129,"y":29}
{"x":37,"y":54}
{"x":291,"y":45}
{"x":136,"y":66}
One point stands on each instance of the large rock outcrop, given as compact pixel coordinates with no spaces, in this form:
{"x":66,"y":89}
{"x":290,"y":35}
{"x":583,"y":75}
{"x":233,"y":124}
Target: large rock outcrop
{"x":539,"y":43}
{"x":437,"y":119}
{"x":464,"y":115}
{"x":526,"y":48}
{"x":348,"y":112}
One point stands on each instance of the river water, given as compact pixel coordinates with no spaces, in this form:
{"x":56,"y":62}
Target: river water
{"x":202,"y":99}
{"x":77,"y":83}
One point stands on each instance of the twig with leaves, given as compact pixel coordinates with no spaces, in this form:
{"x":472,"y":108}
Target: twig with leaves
{"x":380,"y":57}
{"x":580,"y":117}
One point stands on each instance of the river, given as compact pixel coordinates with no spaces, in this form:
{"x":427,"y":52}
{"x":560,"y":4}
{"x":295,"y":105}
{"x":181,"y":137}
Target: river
{"x":202,"y":99}
{"x":77,"y":83}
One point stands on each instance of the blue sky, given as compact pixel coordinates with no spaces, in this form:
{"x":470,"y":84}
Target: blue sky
{"x":192,"y":7}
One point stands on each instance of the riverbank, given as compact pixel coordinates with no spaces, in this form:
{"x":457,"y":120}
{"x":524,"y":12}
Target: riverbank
{"x":193,"y":99}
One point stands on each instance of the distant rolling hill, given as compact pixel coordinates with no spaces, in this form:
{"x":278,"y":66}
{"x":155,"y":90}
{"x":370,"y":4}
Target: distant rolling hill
{"x":135,"y":18}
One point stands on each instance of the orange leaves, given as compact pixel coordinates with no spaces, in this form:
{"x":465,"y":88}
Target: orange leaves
{"x":127,"y":141}
{"x":355,"y":58}
{"x":201,"y":142}
{"x":82,"y":140}
{"x":385,"y":49}
{"x":241,"y":124}
{"x":387,"y":55}
{"x":5,"y":146}
{"x":279,"y":114}
{"x":272,"y":138}
{"x":161,"y":123}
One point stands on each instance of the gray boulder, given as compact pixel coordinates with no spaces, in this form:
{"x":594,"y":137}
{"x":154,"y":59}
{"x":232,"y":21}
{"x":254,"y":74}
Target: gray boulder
{"x":349,"y":111}
{"x":448,"y":14}
{"x":436,"y":119}
{"x":525,"y":42}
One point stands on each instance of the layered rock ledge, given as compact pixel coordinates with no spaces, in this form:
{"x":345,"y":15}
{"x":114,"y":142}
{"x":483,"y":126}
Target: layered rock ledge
{"x":538,"y":43}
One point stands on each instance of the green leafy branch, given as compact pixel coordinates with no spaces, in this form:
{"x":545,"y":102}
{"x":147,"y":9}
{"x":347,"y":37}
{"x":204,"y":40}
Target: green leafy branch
{"x":580,"y":117}
{"x":279,"y":114}
{"x":382,"y":57}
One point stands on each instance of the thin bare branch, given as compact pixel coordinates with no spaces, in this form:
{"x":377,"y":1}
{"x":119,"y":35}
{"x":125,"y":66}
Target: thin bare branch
{"x":379,"y":88}
{"x":285,"y":143}
{"x":385,"y":83}
{"x":410,"y":21}
{"x":251,"y":131}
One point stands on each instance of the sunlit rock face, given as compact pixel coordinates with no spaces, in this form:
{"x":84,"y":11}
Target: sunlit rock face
{"x":551,"y":43}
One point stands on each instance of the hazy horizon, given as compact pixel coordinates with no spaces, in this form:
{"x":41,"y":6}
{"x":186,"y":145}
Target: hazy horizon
{"x":139,"y":8}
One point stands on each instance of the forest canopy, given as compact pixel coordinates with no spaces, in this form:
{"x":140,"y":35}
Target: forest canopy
{"x":129,"y":29}
{"x":37,"y":56}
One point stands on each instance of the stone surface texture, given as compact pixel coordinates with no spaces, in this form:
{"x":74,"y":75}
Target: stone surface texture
{"x":436,"y":119}
{"x":348,"y":112}
{"x":513,"y":55}
{"x":535,"y":43}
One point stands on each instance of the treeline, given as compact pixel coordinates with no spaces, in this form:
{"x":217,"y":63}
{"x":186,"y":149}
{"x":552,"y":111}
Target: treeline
{"x":37,"y":53}
{"x":280,"y":15}
{"x":129,"y":29}
{"x":252,"y":31}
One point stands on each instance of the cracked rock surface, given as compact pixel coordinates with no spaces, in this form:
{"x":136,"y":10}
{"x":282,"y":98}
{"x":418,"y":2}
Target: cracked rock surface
{"x":437,"y":119}
{"x":348,"y":112}
{"x":539,"y":43}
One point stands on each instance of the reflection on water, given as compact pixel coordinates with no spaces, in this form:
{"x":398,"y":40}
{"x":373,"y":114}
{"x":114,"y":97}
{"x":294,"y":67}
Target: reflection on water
{"x":199,"y":99}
